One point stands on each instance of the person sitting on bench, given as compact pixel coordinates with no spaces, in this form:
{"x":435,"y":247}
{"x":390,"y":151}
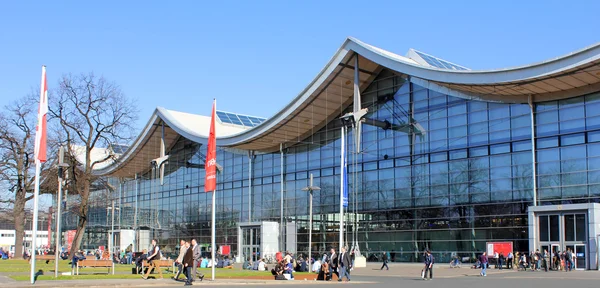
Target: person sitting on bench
{"x":77,"y":257}
{"x":152,"y":260}
{"x":140,"y":260}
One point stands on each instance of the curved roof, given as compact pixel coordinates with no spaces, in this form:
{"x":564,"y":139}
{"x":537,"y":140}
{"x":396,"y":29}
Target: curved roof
{"x":331,"y":92}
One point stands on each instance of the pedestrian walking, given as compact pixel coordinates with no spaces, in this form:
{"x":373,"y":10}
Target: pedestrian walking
{"x":385,"y":261}
{"x":344,"y":265}
{"x":546,"y":258}
{"x":333,"y":263}
{"x":188,"y":263}
{"x":197,"y":255}
{"x":428,"y":265}
{"x":484,"y":262}
{"x":179,"y":260}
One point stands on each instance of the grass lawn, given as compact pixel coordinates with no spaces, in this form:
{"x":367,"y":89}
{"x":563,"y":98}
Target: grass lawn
{"x":17,"y":270}
{"x":63,"y":266}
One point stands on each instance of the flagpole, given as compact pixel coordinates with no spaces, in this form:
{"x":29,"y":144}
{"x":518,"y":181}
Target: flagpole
{"x":34,"y":220}
{"x":210,"y":183}
{"x":213,"y":234}
{"x":343,"y":151}
{"x":40,"y":156}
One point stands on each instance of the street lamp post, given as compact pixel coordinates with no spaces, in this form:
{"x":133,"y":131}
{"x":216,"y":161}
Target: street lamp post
{"x":310,"y":188}
{"x":111,"y":243}
{"x":61,"y":167}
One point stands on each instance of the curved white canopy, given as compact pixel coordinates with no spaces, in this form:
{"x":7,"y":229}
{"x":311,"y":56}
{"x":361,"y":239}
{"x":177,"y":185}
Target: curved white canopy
{"x":324,"y":98}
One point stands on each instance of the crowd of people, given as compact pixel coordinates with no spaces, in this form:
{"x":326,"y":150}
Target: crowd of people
{"x":339,"y":264}
{"x":534,"y":261}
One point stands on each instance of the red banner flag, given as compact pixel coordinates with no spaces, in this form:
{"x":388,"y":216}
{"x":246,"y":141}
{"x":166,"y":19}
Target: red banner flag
{"x":210,"y":182}
{"x":40,"y":135}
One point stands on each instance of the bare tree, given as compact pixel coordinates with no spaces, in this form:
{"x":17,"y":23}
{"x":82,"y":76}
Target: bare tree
{"x":17,"y":164}
{"x":90,"y":113}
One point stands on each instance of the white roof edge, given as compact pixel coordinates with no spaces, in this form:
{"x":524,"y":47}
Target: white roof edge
{"x":398,"y":63}
{"x":391,"y":61}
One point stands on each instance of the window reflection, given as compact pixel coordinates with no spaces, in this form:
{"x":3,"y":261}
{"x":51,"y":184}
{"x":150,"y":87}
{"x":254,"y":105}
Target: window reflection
{"x":448,"y":190}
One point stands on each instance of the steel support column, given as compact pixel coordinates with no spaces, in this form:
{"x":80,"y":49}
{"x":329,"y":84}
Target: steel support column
{"x":533,"y":156}
{"x":250,"y":157}
{"x":281,"y":226}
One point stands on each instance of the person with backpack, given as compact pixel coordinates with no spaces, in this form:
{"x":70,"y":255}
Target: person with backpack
{"x":569,"y":260}
{"x":385,"y":261}
{"x":484,"y":262}
{"x":428,"y":265}
{"x":152,"y":258}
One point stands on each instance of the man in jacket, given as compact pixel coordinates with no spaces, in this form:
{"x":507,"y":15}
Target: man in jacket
{"x":179,"y":261}
{"x":188,"y":263}
{"x":197,"y":261}
{"x":333,"y":263}
{"x":344,"y":265}
{"x":385,"y":261}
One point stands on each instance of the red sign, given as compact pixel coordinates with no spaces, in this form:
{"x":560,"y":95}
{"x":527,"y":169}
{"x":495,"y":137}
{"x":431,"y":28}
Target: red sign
{"x":225,"y":249}
{"x":70,"y":237}
{"x":210,"y":181}
{"x":499,"y":247}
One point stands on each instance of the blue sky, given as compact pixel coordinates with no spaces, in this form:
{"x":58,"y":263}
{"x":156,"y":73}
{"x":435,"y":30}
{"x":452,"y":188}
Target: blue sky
{"x":255,"y":56}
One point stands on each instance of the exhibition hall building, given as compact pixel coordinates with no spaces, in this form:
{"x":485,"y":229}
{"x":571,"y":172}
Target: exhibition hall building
{"x":436,"y":157}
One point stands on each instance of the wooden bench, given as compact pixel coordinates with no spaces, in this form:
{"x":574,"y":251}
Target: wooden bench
{"x":94,"y":264}
{"x":160,"y":264}
{"x":43,"y":258}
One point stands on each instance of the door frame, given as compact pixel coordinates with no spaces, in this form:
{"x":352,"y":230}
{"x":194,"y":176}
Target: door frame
{"x":584,"y":255}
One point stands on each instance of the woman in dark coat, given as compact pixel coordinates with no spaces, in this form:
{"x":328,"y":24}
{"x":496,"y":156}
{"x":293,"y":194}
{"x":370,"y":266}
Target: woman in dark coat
{"x":188,"y":263}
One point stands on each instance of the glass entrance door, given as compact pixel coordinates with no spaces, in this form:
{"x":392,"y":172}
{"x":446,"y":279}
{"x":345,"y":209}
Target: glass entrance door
{"x":555,"y":260}
{"x":580,"y":257}
{"x":251,"y":242}
{"x":564,"y":231}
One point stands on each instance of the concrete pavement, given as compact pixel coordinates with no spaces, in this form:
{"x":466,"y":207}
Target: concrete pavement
{"x":398,"y":275}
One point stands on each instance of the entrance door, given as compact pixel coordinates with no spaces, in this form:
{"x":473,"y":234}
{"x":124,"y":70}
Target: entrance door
{"x":555,"y":262}
{"x":251,"y":242}
{"x":580,"y":262}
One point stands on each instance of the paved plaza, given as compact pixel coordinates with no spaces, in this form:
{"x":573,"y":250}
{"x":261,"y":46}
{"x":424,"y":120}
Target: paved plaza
{"x":399,"y":275}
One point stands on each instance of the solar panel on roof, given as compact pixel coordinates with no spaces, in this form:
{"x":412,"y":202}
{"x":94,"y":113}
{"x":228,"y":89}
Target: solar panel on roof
{"x":237,"y":119}
{"x":439,"y":63}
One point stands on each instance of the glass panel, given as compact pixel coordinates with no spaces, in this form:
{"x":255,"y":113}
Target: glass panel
{"x":572,"y":139}
{"x":543,"y":228}
{"x":547,"y":142}
{"x":580,"y":256}
{"x":555,"y":249}
{"x":570,"y":227}
{"x":481,"y":151}
{"x":594,"y":136}
{"x":500,"y":148}
{"x":554,"y":234}
{"x":580,"y":227}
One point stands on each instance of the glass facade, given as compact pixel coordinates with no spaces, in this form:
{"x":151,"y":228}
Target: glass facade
{"x":449,"y":175}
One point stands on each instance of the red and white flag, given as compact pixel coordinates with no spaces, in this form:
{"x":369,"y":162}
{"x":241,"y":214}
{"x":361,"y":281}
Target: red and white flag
{"x":210,"y":182}
{"x":41,"y":129}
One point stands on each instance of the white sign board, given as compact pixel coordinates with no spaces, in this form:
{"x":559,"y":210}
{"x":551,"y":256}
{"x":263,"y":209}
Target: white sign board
{"x":490,"y":249}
